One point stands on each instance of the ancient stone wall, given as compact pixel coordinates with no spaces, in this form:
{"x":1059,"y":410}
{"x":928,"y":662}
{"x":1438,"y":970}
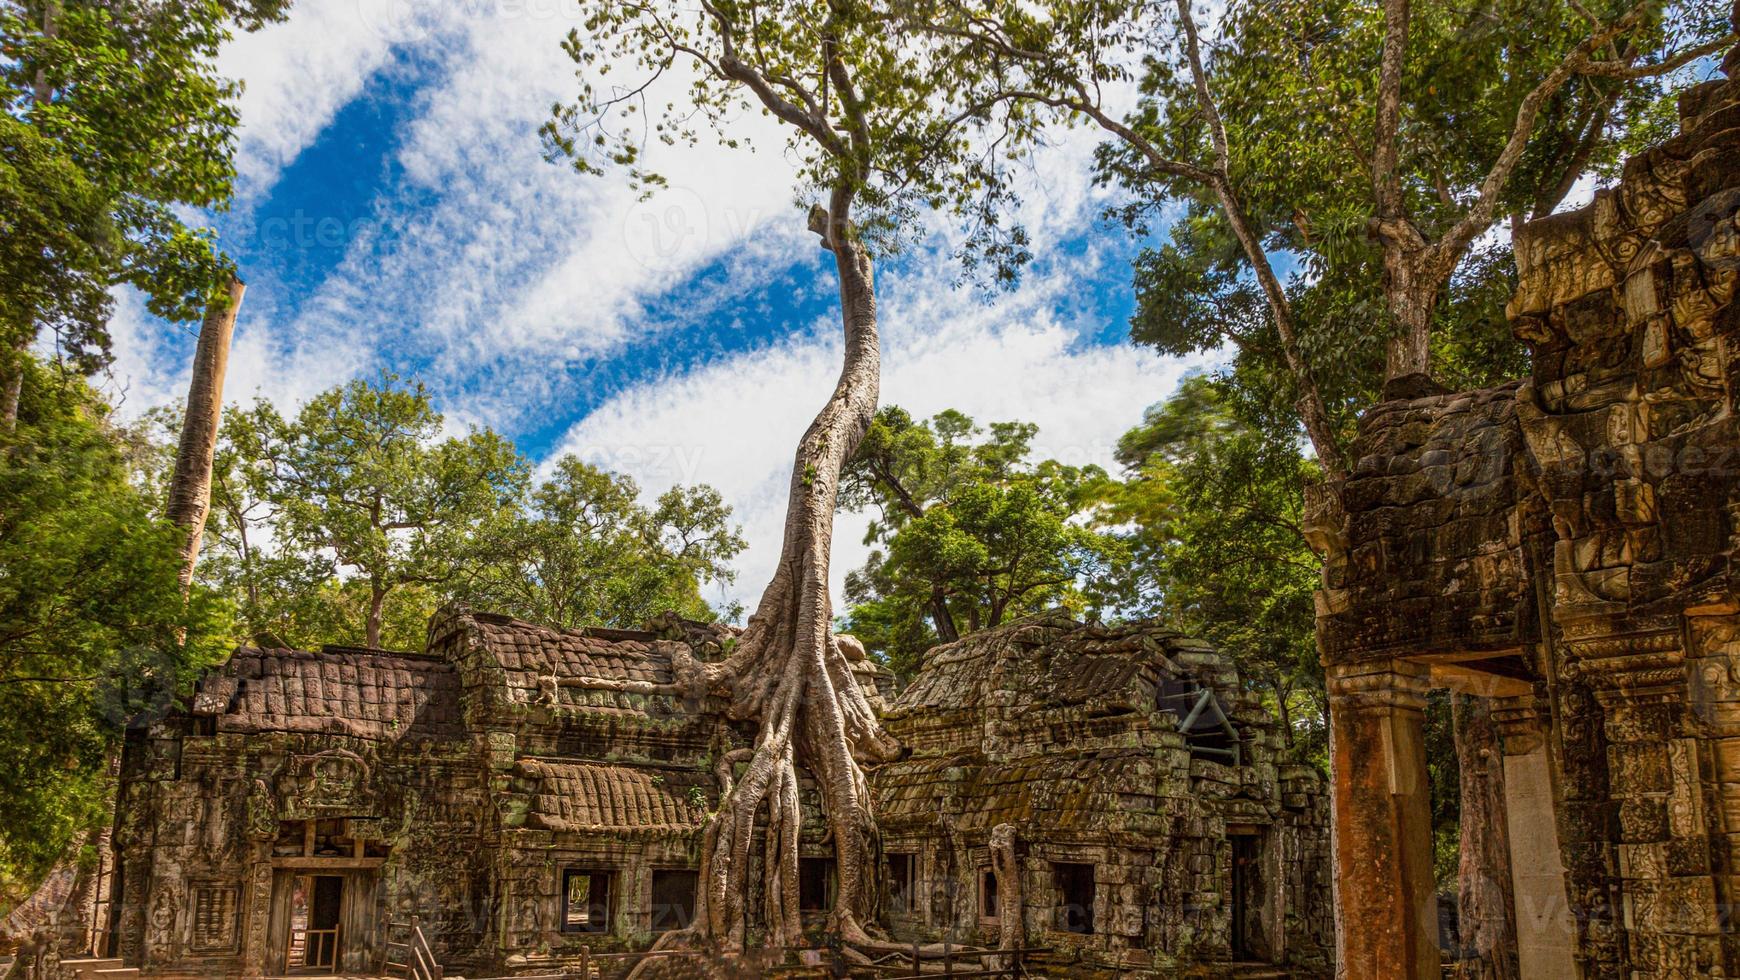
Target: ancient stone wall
{"x":1566,"y":546}
{"x":1200,"y":852}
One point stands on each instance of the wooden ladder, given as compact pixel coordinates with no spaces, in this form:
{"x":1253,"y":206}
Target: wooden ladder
{"x":408,"y":953}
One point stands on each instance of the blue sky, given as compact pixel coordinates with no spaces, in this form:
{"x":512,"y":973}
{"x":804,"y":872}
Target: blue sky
{"x":394,"y":213}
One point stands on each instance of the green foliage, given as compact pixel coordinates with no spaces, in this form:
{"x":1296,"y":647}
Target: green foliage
{"x":971,"y":532}
{"x":589,"y":554}
{"x":361,"y":481}
{"x":1210,"y":511}
{"x":93,"y":628}
{"x":117,"y":125}
{"x":55,"y":245}
{"x":359,"y":508}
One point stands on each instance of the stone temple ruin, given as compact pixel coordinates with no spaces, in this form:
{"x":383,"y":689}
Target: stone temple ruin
{"x":309,"y":799}
{"x":1567,"y":545}
{"x":1564,"y":545}
{"x":1159,"y":829}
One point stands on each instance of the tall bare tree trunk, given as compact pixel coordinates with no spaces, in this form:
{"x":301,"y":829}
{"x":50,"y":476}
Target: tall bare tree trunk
{"x":372,"y":627}
{"x":789,"y":675}
{"x":1485,"y":907}
{"x":190,"y":488}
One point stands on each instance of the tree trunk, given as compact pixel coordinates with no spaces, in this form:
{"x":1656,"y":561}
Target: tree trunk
{"x":1285,"y":714}
{"x":190,"y":489}
{"x":787,"y":673}
{"x":12,"y":383}
{"x":372,"y":629}
{"x":944,"y":620}
{"x":1410,"y":293}
{"x":1485,"y":910}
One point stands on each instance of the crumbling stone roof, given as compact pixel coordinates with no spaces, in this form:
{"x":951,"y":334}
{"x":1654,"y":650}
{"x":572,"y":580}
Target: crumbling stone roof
{"x":527,"y":650}
{"x":1049,"y":794}
{"x":528,"y":663}
{"x":578,"y":797}
{"x":372,"y":694}
{"x":1049,"y":660}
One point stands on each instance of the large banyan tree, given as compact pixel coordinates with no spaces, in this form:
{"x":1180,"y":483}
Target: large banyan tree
{"x":884,"y":131}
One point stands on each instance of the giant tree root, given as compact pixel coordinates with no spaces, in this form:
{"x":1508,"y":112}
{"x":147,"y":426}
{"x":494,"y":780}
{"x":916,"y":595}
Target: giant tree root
{"x":788,"y":675}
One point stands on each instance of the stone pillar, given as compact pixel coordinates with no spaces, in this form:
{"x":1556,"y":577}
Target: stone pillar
{"x":1383,"y":821}
{"x":1670,"y":913}
{"x":1546,"y":929}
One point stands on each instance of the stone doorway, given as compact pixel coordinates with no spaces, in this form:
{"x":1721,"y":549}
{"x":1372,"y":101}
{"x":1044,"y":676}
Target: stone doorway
{"x":1249,"y":939}
{"x":316,"y":925}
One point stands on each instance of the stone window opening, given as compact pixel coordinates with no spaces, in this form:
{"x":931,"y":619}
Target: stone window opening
{"x":586,"y":900}
{"x":988,"y":908}
{"x":903,"y":882}
{"x":816,"y":884}
{"x":1074,"y":911}
{"x":673,"y":898}
{"x":1207,"y":730}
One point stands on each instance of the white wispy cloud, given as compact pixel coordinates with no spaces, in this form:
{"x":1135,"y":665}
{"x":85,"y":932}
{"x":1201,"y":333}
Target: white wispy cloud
{"x":502,"y":277}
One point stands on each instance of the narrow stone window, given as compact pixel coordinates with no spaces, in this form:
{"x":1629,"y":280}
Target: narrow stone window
{"x":586,"y":900}
{"x":673,"y":899}
{"x":988,"y":908}
{"x":1075,"y":897}
{"x":903,"y":882}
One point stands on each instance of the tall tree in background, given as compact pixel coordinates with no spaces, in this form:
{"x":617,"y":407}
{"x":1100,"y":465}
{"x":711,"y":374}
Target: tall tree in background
{"x":361,"y":475}
{"x":1211,"y":508}
{"x":94,"y":628}
{"x":590,"y":554}
{"x":1442,"y":121}
{"x":970,"y":533}
{"x":874,"y":126}
{"x":116,"y":124}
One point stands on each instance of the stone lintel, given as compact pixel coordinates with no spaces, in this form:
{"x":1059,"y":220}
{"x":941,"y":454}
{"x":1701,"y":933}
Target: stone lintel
{"x":1380,"y":684}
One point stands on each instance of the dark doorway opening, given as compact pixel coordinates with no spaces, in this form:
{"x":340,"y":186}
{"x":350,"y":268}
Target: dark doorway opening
{"x":1075,"y":897}
{"x":988,"y":895}
{"x":673,"y":899}
{"x":316,"y":904}
{"x":903,"y":882}
{"x":1247,"y":902}
{"x":815,"y":884}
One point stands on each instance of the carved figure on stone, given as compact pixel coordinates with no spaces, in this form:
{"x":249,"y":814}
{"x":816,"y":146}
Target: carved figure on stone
{"x":262,"y":812}
{"x":332,"y":780}
{"x":528,"y":922}
{"x":163,"y":913}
